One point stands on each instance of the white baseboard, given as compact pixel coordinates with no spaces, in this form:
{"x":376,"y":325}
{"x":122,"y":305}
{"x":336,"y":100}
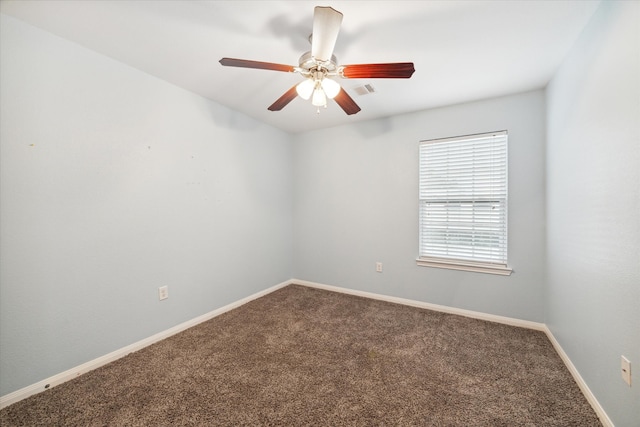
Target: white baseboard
{"x":72,"y":373}
{"x":435,"y":307}
{"x":602,"y":415}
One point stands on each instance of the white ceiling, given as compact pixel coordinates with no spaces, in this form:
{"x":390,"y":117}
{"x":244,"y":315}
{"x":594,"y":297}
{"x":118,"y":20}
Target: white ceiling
{"x":462,"y":50}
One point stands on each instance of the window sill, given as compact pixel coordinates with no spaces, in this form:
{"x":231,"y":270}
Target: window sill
{"x":465,"y":266}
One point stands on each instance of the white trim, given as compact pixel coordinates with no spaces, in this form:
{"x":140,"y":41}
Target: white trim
{"x":591,"y":398}
{"x":72,"y":373}
{"x":599,"y":410}
{"x":465,"y":266}
{"x":435,"y":307}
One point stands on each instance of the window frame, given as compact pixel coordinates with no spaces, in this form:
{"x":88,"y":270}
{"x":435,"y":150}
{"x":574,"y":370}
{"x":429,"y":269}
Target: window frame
{"x":499,"y":267}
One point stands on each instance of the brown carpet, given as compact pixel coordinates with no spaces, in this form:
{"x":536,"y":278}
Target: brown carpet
{"x":303,"y":356}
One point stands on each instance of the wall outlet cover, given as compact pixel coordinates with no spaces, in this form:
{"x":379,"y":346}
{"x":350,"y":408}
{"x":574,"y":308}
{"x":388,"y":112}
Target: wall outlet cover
{"x":625,"y":366}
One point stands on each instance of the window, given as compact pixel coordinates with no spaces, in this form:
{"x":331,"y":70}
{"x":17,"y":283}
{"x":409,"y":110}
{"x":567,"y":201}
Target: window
{"x":463,"y":203}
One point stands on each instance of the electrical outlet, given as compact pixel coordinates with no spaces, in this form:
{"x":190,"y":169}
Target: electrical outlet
{"x":379,"y":267}
{"x":163,"y":292}
{"x":625,"y":367}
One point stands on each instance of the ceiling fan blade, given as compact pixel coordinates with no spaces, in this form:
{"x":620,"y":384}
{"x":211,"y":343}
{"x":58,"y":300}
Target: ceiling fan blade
{"x":282,"y":102}
{"x":346,"y":102}
{"x":245,"y":63}
{"x":394,"y":70}
{"x":326,"y":26}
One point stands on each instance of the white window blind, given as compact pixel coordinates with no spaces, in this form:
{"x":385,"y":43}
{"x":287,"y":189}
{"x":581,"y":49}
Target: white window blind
{"x":463,"y":201}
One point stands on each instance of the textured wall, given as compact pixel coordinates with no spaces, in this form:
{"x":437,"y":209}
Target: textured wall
{"x":356,"y":203}
{"x":115,"y":183}
{"x":593,"y":187}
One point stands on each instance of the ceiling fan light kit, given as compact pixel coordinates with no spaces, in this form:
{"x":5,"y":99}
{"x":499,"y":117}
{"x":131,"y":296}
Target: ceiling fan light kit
{"x":306,"y":88}
{"x":330,"y":87}
{"x":320,"y":67}
{"x":319,"y":98}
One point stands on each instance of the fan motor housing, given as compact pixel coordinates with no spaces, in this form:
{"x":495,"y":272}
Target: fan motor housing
{"x":309,"y":63}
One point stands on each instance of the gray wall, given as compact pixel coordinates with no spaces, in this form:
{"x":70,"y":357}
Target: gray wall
{"x":355,"y":203}
{"x":593,"y":161}
{"x":114,"y":183}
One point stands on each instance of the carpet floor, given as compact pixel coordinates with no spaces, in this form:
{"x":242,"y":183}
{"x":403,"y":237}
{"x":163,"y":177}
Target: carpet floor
{"x":303,"y":356}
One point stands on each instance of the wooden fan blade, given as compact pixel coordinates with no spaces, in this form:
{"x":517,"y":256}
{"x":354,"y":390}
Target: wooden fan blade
{"x":346,"y":102}
{"x":284,"y":99}
{"x":326,"y":26}
{"x":394,"y":70}
{"x":245,"y":63}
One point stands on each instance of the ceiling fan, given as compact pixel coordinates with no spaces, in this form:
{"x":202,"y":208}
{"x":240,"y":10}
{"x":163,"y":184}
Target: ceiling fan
{"x":320,"y":67}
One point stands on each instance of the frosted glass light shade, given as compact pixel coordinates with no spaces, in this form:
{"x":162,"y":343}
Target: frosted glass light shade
{"x":305,"y":88}
{"x":319,"y":98}
{"x":331,"y":88}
